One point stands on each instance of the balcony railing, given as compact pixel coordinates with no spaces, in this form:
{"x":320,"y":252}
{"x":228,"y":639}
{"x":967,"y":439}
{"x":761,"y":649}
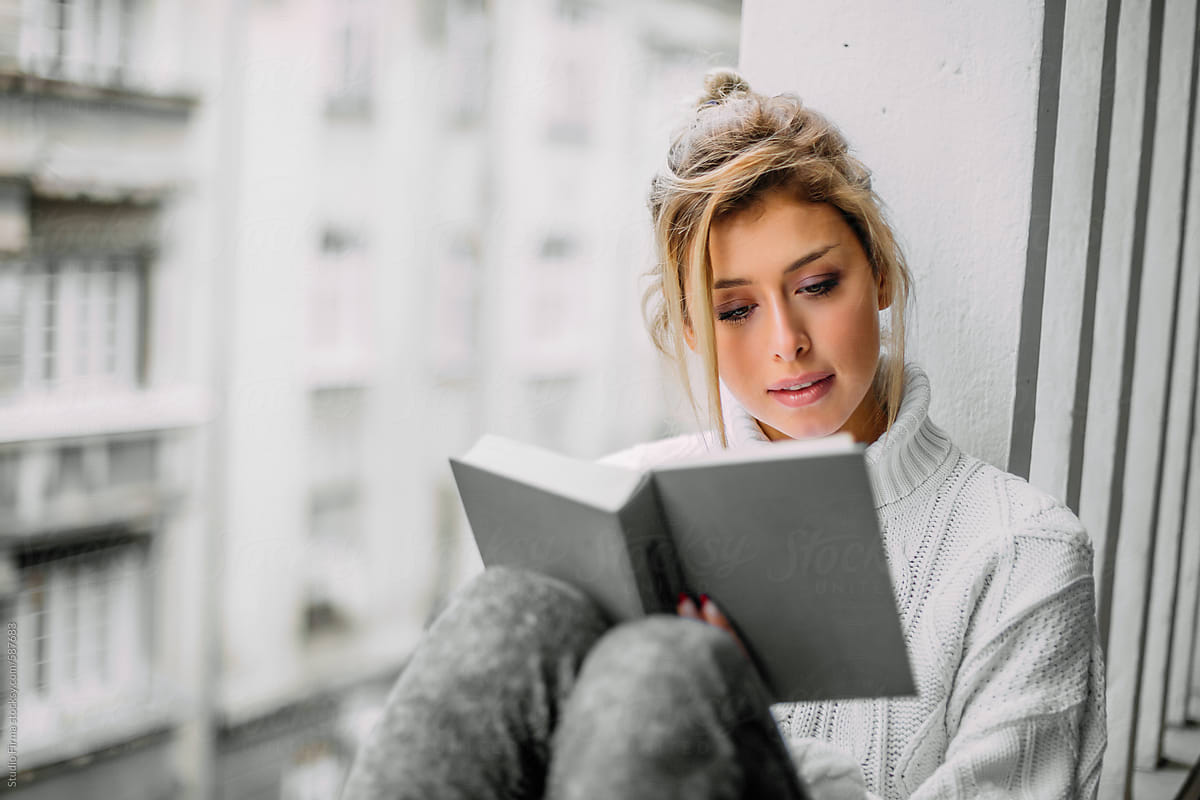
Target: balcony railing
{"x":92,"y":48}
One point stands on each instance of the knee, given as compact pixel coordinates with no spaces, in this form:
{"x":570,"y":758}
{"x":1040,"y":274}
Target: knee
{"x":666,"y":662}
{"x":662,"y":642}
{"x":661,"y":689}
{"x":513,"y":591}
{"x":520,"y":608}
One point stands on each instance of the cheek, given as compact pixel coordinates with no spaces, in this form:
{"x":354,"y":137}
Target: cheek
{"x":737,"y":354}
{"x":863,"y":333}
{"x":855,"y":333}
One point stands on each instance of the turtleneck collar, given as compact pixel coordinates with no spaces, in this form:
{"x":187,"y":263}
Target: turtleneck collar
{"x":897,"y":462}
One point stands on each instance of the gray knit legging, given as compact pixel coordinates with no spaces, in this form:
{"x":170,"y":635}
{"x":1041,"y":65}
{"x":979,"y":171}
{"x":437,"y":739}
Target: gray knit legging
{"x":521,"y":690}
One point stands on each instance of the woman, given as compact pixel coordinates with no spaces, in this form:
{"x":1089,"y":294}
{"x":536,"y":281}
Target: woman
{"x":774,"y":263}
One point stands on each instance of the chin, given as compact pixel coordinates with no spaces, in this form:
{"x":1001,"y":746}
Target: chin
{"x":801,"y":430}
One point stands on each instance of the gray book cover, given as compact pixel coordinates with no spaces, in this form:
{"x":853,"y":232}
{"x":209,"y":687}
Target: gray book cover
{"x":784,"y":538}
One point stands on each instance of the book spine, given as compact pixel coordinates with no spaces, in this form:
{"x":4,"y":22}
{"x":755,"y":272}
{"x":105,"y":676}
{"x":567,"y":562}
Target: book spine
{"x":652,"y":554}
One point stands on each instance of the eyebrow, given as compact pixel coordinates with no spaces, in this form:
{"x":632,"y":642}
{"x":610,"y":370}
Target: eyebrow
{"x":729,"y":283}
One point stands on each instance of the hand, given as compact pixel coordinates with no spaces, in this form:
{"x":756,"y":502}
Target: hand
{"x":707,"y":612}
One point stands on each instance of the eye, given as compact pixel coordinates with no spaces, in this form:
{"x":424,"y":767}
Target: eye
{"x":818,"y":289}
{"x":735,"y":314}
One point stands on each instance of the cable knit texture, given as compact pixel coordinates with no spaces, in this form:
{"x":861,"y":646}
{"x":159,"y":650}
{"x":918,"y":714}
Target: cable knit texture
{"x":993,"y":582}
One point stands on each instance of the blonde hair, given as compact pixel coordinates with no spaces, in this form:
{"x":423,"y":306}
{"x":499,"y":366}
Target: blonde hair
{"x":741,"y":145}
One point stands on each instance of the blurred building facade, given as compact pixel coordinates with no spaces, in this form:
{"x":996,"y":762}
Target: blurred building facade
{"x":102,"y":398}
{"x":263,"y":267}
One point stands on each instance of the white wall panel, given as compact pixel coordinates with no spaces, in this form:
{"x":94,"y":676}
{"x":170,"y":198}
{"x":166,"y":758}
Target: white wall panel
{"x":1071,"y":221}
{"x":1165,"y":345}
{"x":1188,"y":589}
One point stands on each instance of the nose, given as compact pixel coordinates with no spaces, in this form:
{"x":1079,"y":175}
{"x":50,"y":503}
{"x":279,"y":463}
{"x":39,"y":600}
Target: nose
{"x":789,"y":340}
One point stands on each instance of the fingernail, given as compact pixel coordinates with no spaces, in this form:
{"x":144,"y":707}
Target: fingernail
{"x":686,"y":606}
{"x":704,"y":599}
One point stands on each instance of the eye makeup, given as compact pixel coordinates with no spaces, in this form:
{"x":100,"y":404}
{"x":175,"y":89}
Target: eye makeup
{"x":818,"y":289}
{"x":738,"y":314}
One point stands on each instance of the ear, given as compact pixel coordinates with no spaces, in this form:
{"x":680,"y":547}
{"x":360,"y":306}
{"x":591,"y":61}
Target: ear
{"x":885,"y":292}
{"x":689,"y":336}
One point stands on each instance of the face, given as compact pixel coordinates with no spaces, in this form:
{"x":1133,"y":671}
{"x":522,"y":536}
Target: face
{"x":795,"y":309}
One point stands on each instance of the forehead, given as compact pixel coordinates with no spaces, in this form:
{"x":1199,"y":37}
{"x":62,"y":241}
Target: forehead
{"x":773,"y":233}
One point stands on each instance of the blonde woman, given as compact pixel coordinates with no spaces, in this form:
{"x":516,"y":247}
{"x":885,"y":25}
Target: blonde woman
{"x":775,"y":263}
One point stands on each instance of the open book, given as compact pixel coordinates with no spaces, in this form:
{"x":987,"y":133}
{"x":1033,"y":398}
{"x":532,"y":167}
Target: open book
{"x":783,"y":537}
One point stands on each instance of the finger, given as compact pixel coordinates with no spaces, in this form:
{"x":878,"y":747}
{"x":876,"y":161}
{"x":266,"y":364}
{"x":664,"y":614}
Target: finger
{"x":686,"y":607}
{"x":714,"y":616}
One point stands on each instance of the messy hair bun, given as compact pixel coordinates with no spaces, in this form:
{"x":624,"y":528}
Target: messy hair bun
{"x":720,"y":83}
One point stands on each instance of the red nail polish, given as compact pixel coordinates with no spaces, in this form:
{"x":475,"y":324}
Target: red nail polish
{"x":703,"y":599}
{"x":682,"y":596}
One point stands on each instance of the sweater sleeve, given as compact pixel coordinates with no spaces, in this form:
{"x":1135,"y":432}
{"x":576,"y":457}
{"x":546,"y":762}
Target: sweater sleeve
{"x":1025,"y":713}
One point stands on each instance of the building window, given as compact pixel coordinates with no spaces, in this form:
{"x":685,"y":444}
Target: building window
{"x":70,"y":324}
{"x":467,"y":55}
{"x":457,"y":313}
{"x":570,"y":99}
{"x":335,"y":584}
{"x":571,"y":84}
{"x":351,"y":66}
{"x":340,"y":298}
{"x":336,"y":579}
{"x":450,"y":528}
{"x":47,"y":329}
{"x":549,"y":402}
{"x":337,"y":436}
{"x":73,"y":474}
{"x":33,"y":585}
{"x":10,"y":463}
{"x":132,"y":461}
{"x":108,"y":478}
{"x":10,"y":328}
{"x":87,"y":41}
{"x":574,"y":12}
{"x":556,"y":317}
{"x":81,"y":623}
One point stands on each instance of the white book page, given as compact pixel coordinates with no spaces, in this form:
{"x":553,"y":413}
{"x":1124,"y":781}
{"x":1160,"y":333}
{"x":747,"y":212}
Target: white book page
{"x":603,"y":486}
{"x":836,"y":444}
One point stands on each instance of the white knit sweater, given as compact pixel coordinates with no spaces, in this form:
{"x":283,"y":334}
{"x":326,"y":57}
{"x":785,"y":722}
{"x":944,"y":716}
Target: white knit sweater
{"x":993,"y":581}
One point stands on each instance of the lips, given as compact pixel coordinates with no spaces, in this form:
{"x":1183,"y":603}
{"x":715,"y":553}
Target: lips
{"x":799,"y":381}
{"x":816,"y":388}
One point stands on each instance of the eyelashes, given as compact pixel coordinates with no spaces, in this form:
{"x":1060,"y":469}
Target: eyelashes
{"x":734,"y":315}
{"x":819,"y":289}
{"x":741,"y":313}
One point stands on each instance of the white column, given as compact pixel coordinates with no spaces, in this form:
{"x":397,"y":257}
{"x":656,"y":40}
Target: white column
{"x":1165,"y":304}
{"x":1189,"y":579}
{"x":1121,"y":564}
{"x":1067,"y":249}
{"x":266,"y":408}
